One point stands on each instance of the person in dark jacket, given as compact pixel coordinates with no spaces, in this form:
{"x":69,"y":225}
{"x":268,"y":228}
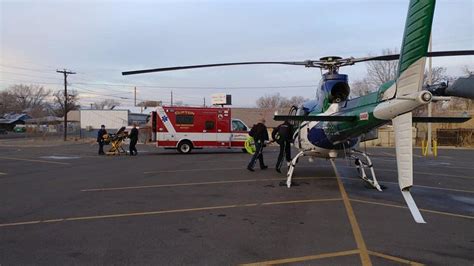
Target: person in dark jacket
{"x":133,"y":140}
{"x":260,"y":135}
{"x":100,"y":139}
{"x":283,"y":135}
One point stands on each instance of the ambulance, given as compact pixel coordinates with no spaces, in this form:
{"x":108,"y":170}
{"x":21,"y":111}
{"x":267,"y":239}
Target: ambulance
{"x":187,"y":128}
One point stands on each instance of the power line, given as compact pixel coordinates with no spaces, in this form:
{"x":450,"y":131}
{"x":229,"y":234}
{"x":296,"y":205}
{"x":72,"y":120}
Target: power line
{"x":105,"y":95}
{"x":95,"y":92}
{"x":27,"y":75}
{"x":27,"y":69}
{"x":186,"y":87}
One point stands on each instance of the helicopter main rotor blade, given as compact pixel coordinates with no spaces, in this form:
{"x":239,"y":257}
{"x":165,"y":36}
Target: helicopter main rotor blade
{"x":397,"y":56}
{"x":307,"y":63}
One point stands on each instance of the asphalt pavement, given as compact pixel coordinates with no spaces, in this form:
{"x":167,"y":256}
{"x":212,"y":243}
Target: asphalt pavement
{"x":64,"y":205}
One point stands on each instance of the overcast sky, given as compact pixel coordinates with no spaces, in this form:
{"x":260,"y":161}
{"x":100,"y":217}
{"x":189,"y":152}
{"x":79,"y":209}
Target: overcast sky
{"x":100,"y":39}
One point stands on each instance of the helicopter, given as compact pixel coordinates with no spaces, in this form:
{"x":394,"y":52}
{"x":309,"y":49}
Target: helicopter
{"x":331,"y":126}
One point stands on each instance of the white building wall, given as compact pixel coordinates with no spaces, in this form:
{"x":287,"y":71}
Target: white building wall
{"x":112,"y":119}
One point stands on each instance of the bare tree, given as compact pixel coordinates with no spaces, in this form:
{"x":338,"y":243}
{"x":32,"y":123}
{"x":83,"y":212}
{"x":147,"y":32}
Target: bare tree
{"x":438,"y":74}
{"x":7,"y":102}
{"x":278,"y":101}
{"x":58,"y":102}
{"x":106,"y":104}
{"x":270,"y":101}
{"x":379,"y":72}
{"x":31,"y":99}
{"x":361,"y":87}
{"x":295,"y":101}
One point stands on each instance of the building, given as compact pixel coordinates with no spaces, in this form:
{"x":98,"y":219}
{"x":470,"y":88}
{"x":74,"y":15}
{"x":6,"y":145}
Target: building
{"x":10,"y":120}
{"x":251,"y":116}
{"x":112,"y":119}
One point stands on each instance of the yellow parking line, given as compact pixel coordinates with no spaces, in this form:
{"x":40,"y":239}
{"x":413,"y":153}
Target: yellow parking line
{"x":197,"y":183}
{"x":305,"y":258}
{"x":119,"y":215}
{"x":300,"y":201}
{"x":389,"y":257}
{"x":424,"y":210}
{"x":32,"y":160}
{"x":364,"y":256}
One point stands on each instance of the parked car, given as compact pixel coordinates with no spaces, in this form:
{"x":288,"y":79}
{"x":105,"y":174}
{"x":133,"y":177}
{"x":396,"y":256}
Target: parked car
{"x":19,"y":128}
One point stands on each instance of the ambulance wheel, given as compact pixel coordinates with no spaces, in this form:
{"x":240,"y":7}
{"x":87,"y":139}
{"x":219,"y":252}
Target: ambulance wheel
{"x":244,"y":150}
{"x":185,"y":146}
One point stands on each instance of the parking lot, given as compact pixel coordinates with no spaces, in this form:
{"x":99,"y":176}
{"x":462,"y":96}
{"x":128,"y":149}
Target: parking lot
{"x":62,"y":204}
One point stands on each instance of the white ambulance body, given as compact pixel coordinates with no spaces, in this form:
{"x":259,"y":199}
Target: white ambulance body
{"x":187,"y":128}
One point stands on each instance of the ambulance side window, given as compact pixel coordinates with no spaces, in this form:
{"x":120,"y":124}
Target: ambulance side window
{"x":184,"y":119}
{"x":238,"y":126}
{"x":209,"y":125}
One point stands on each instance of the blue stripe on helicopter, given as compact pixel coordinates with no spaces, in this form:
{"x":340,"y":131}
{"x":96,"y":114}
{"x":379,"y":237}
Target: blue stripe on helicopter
{"x":318,"y":137}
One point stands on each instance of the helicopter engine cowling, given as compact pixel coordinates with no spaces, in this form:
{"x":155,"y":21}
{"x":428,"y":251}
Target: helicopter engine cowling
{"x":335,"y":87}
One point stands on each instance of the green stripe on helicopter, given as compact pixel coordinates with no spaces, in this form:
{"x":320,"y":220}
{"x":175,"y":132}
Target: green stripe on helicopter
{"x":417,"y":33}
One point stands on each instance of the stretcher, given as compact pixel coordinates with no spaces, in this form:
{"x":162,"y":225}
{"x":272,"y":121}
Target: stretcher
{"x":116,"y":141}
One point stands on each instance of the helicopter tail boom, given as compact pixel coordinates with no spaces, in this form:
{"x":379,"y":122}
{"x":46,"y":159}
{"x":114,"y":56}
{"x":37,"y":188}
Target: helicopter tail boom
{"x":390,"y":109}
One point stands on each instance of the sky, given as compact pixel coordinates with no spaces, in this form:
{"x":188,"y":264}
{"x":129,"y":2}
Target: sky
{"x":100,"y":39}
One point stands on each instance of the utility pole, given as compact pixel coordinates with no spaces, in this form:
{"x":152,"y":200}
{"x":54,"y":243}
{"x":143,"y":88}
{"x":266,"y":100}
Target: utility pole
{"x":430,"y":107}
{"x":135,"y":98}
{"x":65,"y":73}
{"x":171,"y":98}
{"x":204,"y":98}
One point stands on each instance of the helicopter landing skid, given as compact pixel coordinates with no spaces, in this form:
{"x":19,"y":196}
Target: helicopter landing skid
{"x":361,"y":165}
{"x":291,"y":169}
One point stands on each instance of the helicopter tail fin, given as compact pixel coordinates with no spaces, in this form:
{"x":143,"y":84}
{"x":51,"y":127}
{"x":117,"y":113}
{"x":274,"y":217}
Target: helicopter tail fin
{"x":416,"y":38}
{"x":411,"y":68}
{"x":402,"y":126}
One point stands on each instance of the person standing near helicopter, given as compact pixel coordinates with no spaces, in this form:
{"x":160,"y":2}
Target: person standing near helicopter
{"x":283,"y":135}
{"x":260,"y":135}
